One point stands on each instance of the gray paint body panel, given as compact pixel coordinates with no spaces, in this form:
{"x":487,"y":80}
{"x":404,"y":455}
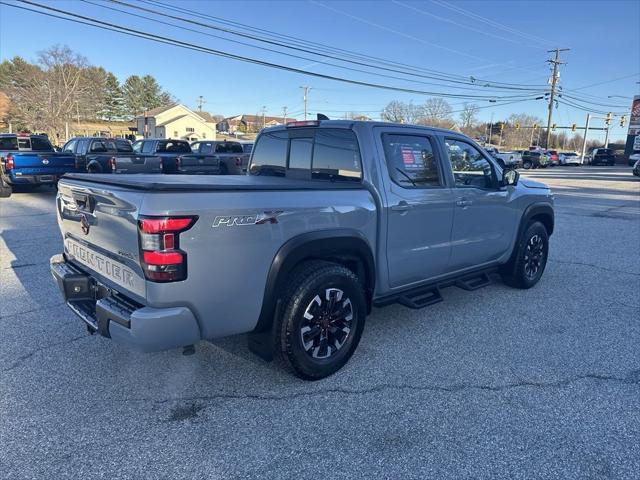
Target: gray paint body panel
{"x":228,"y":265}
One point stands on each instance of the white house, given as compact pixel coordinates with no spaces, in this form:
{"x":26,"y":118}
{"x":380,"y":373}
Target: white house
{"x":176,"y":121}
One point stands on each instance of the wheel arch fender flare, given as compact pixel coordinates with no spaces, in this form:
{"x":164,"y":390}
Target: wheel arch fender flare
{"x":94,"y":164}
{"x":344,"y":246}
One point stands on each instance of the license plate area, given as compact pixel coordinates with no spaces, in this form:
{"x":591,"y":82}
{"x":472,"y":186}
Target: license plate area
{"x":46,"y":178}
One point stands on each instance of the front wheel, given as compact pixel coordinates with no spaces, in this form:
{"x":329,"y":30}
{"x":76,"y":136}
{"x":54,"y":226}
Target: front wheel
{"x":529,"y":259}
{"x":323,"y":317}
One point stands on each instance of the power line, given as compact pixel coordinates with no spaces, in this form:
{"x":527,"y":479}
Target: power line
{"x":276,"y":51}
{"x":191,"y":46}
{"x":471,"y":82}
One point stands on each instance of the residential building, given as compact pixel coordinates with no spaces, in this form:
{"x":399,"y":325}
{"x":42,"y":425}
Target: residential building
{"x":176,"y":121}
{"x":249,"y":123}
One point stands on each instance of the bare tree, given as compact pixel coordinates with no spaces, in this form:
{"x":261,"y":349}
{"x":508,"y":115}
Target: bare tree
{"x":468,"y":116}
{"x":400,"y":112}
{"x":436,"y":112}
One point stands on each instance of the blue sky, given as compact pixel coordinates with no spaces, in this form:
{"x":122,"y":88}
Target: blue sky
{"x":498,"y":41}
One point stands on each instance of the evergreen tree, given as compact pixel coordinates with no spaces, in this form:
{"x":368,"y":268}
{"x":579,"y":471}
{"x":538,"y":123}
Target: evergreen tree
{"x":113,"y":102}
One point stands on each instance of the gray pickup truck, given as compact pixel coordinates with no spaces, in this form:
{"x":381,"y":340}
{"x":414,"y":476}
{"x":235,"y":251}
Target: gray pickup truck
{"x":333,"y":218}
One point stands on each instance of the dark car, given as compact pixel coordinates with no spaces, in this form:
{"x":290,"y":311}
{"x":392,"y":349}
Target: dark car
{"x":636,"y":169}
{"x":534,"y":159}
{"x":109,"y":155}
{"x":167,"y":149}
{"x":602,"y":156}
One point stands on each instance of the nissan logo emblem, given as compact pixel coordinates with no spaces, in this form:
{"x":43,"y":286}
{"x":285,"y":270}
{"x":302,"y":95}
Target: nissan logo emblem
{"x":45,"y":161}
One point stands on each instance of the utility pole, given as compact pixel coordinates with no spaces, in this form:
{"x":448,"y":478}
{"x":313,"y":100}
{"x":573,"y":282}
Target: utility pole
{"x":490,"y":128}
{"x":201,"y":101}
{"x":533,"y":129}
{"x":264,"y":110}
{"x":284,"y":115}
{"x":584,"y":139}
{"x":554,"y":80}
{"x":305,"y":97}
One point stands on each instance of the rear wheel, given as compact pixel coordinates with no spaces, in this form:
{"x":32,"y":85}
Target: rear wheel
{"x":529,"y":260}
{"x":527,"y":165}
{"x":324,"y":311}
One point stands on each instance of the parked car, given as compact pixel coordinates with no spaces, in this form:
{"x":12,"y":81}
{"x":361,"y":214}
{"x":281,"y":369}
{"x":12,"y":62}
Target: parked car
{"x":217,"y":157}
{"x":32,"y":160}
{"x":570,"y":158}
{"x":334,"y":218}
{"x":534,"y":159}
{"x":636,"y":169}
{"x":554,"y":158}
{"x":505,"y":159}
{"x":602,"y":156}
{"x":633,"y":158}
{"x":167,"y":149}
{"x":110,"y":155}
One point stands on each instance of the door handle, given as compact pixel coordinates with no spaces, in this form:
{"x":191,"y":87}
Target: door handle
{"x":402,"y":206}
{"x":464,"y":202}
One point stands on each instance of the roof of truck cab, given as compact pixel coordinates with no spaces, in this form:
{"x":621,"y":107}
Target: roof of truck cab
{"x":366,"y":123}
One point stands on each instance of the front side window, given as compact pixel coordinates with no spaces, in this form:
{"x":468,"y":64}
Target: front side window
{"x":411,"y":160}
{"x":147,"y":147}
{"x":336,"y":155}
{"x":470,"y":168}
{"x":70,"y":146}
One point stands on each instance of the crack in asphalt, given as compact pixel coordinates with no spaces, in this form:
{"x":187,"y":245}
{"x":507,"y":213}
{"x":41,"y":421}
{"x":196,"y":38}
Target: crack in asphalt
{"x":23,"y":358}
{"x":632,"y":378}
{"x":614,"y":270}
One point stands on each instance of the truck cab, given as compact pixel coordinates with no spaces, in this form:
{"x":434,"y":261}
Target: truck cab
{"x":167,"y":149}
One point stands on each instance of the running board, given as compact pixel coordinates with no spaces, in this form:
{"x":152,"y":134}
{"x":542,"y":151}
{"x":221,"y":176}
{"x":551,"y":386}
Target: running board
{"x":473,"y":282}
{"x":421,"y":297}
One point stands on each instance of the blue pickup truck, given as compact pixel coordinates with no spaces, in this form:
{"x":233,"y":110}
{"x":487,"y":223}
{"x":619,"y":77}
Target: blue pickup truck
{"x":32,"y":160}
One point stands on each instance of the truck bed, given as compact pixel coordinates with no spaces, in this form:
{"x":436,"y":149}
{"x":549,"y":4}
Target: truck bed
{"x":172,"y":183}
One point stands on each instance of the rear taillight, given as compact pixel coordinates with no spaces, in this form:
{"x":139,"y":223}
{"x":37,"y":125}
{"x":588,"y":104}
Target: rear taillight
{"x":161,"y":257}
{"x":8,"y":165}
{"x":113,"y":164}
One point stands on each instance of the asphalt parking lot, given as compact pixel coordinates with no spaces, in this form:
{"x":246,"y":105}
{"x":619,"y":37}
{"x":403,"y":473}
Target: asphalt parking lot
{"x":495,"y":383}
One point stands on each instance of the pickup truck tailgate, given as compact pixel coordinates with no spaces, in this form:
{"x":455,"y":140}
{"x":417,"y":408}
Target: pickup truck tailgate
{"x":99,"y":225}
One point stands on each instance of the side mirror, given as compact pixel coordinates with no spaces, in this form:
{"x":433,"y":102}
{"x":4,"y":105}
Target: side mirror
{"x":510,"y":177}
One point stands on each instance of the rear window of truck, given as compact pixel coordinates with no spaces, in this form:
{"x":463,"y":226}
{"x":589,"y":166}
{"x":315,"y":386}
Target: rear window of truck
{"x":122,"y":146}
{"x":324,"y":153}
{"x":229,"y":147}
{"x":40,"y":144}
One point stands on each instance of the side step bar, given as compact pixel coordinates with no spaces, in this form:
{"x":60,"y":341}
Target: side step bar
{"x":474,"y":282}
{"x":425,"y":295}
{"x":421,"y":297}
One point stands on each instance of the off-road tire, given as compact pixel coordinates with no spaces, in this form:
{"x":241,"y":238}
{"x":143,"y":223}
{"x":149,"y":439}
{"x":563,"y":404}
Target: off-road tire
{"x":311,"y":279}
{"x":517,"y":272}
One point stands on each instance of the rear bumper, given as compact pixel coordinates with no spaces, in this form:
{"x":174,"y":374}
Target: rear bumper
{"x":18,"y":179}
{"x":115,"y":316}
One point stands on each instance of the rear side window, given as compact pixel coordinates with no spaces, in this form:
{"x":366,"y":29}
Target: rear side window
{"x":40,"y":144}
{"x":336,"y":155}
{"x":229,"y":147}
{"x":411,"y":160}
{"x":270,"y":154}
{"x":8,"y":143}
{"x":324,"y":153}
{"x":122,"y":146}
